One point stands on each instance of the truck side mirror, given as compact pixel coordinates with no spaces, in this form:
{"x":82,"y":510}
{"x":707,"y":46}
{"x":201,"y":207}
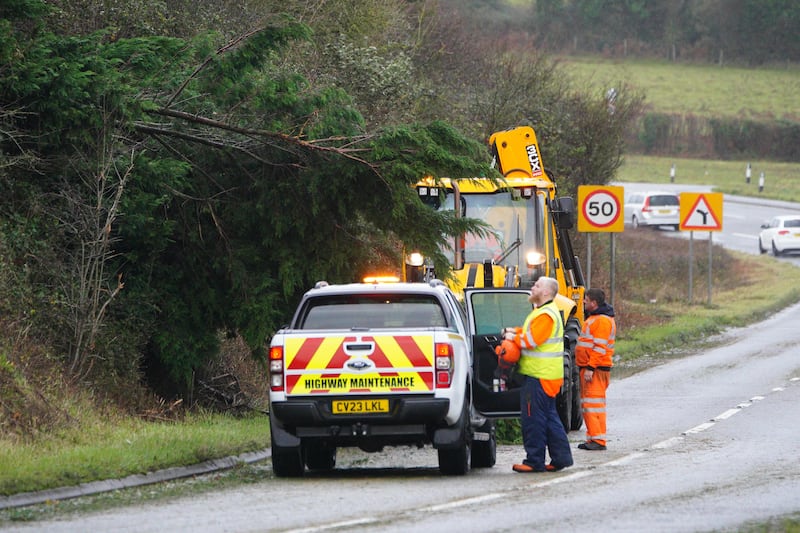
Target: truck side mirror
{"x":563,"y":210}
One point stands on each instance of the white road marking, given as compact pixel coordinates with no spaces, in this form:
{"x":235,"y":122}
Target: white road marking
{"x":745,"y":236}
{"x":669,"y":443}
{"x":698,"y":429}
{"x":561,"y":479}
{"x":624,"y":460}
{"x":461,"y":503}
{"x":335,"y":525}
{"x":727,"y":414}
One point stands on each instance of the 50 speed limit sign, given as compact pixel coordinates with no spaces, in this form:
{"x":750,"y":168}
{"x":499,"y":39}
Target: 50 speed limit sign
{"x":600,"y":208}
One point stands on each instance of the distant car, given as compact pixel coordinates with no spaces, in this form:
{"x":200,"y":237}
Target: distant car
{"x":653,"y":209}
{"x":781,"y":234}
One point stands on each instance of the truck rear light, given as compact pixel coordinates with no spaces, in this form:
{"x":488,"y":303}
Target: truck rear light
{"x":276,"y":368}
{"x":444,"y":364}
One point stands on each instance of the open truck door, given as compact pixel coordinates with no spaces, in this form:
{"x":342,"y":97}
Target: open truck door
{"x":489,"y":310}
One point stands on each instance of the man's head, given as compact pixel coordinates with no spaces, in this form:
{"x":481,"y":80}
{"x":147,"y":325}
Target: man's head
{"x":593,"y":299}
{"x":544,"y":290}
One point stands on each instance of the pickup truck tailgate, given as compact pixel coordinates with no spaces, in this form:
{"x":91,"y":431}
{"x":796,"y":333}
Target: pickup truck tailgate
{"x":358,"y":364}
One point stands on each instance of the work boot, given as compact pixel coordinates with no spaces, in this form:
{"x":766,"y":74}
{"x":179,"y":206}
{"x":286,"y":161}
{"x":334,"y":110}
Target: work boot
{"x":591,"y":445}
{"x":523,"y":468}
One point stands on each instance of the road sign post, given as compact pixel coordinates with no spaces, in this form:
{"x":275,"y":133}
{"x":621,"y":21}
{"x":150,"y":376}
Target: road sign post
{"x":600,"y":210}
{"x":701,"y":211}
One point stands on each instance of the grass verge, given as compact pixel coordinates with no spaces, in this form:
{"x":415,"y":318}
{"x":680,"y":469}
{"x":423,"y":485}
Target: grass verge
{"x":102,"y":449}
{"x":765,"y":287}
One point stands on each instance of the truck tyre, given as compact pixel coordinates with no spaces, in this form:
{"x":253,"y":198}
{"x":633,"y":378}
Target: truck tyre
{"x":455,"y":461}
{"x":577,"y":408}
{"x":319,"y":456}
{"x":568,"y":402}
{"x":564,"y":400}
{"x":484,"y":452}
{"x":287,"y":462}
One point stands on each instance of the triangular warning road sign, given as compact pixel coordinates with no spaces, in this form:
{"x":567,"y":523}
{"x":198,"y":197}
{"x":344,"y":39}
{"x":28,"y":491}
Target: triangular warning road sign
{"x":701,"y":216}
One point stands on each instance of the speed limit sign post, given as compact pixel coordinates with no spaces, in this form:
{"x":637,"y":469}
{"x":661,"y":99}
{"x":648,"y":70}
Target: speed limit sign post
{"x":600,"y":209}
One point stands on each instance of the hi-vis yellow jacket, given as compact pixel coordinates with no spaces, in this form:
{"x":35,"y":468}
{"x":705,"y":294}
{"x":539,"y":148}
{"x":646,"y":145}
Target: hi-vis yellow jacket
{"x":542,"y":343}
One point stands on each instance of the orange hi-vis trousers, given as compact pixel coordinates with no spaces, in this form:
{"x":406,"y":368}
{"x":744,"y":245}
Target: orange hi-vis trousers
{"x":593,"y":405}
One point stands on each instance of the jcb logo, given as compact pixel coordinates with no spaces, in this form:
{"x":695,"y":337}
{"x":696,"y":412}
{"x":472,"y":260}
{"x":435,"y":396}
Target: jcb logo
{"x":533,"y":159}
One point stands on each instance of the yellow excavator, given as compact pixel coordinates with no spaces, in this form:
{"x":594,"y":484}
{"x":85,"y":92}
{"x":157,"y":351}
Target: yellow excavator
{"x":528,"y":222}
{"x":528,"y":238}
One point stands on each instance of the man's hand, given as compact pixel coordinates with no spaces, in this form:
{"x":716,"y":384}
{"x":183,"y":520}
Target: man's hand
{"x":588,"y":374}
{"x":508,"y":334}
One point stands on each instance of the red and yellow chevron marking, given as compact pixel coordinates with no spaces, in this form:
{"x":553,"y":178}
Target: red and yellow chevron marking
{"x":400,"y":363}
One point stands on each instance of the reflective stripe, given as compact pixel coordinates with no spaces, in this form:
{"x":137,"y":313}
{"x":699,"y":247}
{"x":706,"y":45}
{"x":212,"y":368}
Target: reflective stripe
{"x":591,"y":399}
{"x":594,"y":409}
{"x":598,"y":405}
{"x":602,"y":347}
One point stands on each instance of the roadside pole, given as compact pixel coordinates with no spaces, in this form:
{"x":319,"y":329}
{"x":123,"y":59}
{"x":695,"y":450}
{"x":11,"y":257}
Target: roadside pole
{"x":588,"y":259}
{"x":710,"y":257}
{"x":600,"y":210}
{"x":691,"y":264}
{"x":701,"y":211}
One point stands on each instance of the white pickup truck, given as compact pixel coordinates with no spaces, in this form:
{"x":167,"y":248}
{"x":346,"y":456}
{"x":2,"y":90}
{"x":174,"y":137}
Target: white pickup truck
{"x":373,"y":365}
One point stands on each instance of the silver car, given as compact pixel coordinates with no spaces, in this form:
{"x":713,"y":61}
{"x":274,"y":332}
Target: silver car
{"x":653,"y":209}
{"x":781,"y":234}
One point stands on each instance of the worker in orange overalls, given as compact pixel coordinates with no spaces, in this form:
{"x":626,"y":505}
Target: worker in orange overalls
{"x":594,"y":354}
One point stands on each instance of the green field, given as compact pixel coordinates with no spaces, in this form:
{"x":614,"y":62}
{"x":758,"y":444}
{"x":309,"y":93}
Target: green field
{"x":701,"y":90}
{"x":706,"y":91}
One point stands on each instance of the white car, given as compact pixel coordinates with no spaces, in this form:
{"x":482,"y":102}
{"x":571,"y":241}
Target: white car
{"x":653,"y":209}
{"x":781,"y":234}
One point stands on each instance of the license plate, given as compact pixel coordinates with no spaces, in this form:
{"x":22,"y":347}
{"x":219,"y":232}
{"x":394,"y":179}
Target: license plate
{"x":348,"y":407}
{"x":665,"y":211}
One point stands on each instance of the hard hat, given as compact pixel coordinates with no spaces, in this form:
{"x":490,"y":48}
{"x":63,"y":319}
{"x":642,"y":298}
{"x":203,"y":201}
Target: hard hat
{"x":508,"y":351}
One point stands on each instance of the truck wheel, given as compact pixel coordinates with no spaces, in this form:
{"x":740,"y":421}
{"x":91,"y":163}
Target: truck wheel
{"x":320,"y":456}
{"x":287,"y":462}
{"x":455,"y":461}
{"x":484,"y":452}
{"x":564,"y":403}
{"x":577,"y":408}
{"x":572,"y":330}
